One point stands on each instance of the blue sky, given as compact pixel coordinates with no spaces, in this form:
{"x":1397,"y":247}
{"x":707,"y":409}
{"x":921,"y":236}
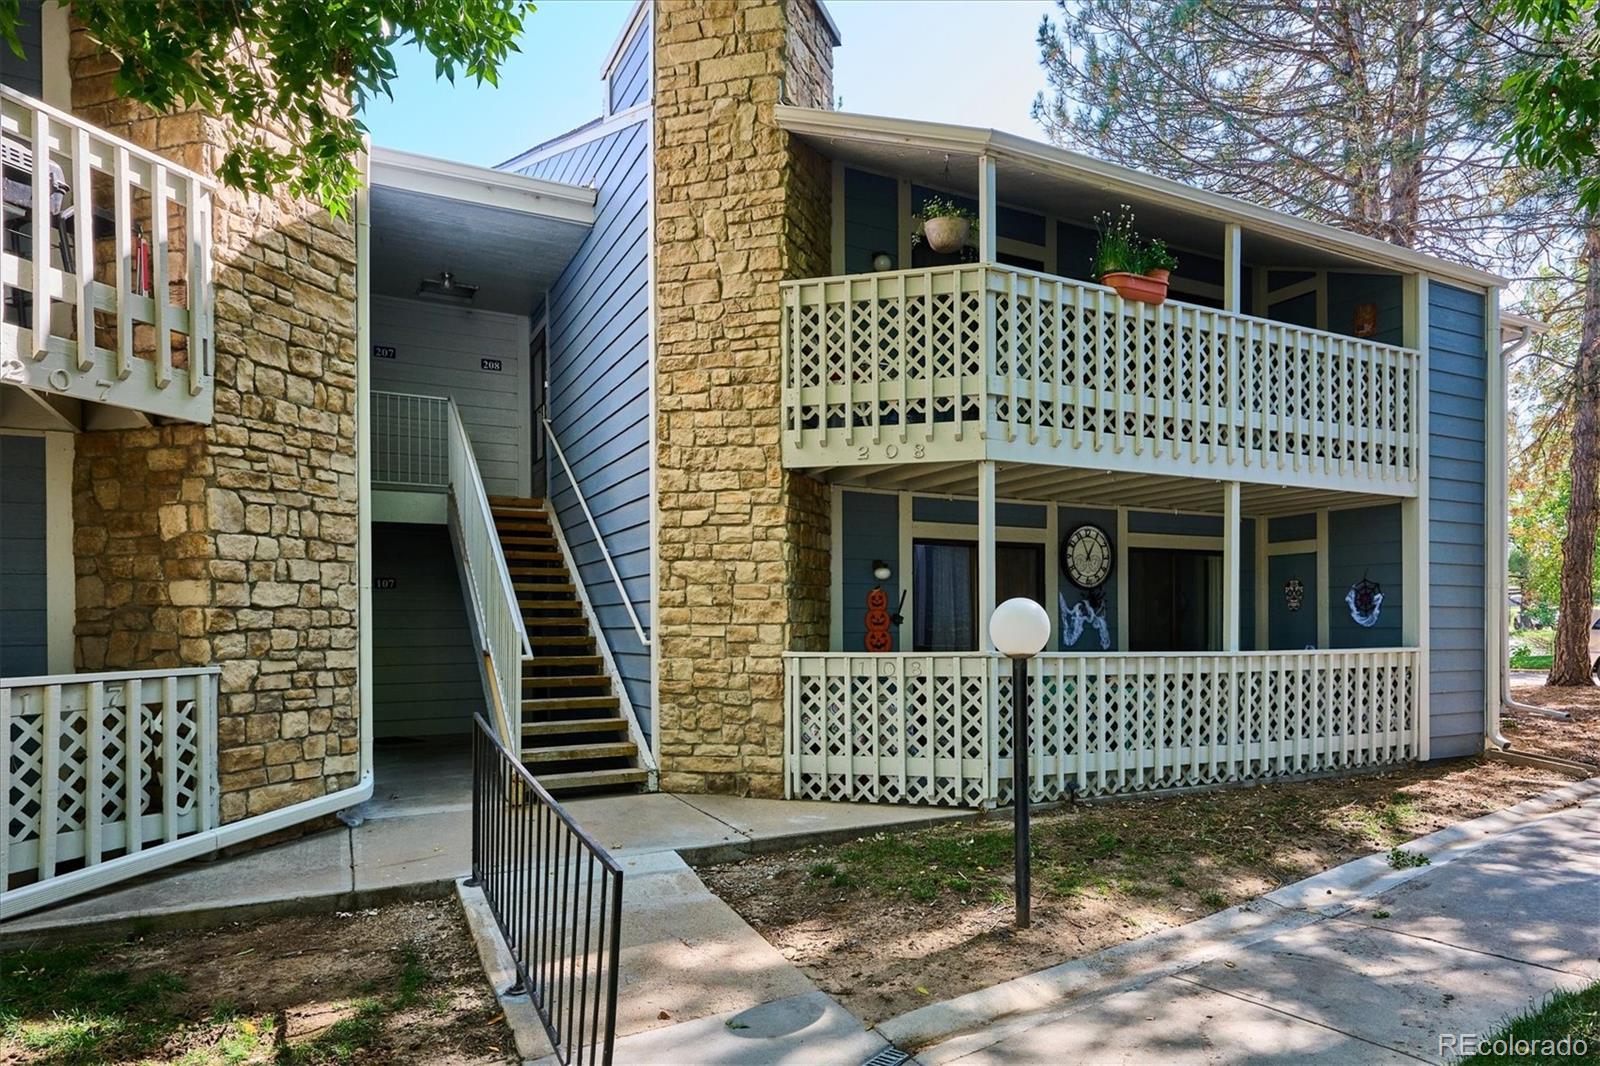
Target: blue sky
{"x":980,"y":69}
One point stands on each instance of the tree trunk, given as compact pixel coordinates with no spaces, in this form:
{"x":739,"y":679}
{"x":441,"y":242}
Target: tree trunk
{"x":1571,"y":664}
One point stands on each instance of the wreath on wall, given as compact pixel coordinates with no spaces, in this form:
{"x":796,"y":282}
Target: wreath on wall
{"x":1365,"y":600}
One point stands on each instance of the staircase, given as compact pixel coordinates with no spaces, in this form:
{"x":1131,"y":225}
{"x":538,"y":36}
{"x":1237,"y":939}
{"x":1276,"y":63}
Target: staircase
{"x":574,"y":734}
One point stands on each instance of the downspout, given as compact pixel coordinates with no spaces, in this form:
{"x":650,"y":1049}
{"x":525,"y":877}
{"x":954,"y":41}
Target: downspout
{"x":1492,"y":737}
{"x":364,"y":668}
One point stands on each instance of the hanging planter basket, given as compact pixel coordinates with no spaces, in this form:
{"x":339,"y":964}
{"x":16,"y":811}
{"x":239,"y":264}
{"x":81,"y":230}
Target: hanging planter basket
{"x":1143,"y":288}
{"x":948,"y":234}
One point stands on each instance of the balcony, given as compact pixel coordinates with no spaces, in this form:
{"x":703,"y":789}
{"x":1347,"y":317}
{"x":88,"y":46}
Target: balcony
{"x":104,"y":271}
{"x":977,"y":361}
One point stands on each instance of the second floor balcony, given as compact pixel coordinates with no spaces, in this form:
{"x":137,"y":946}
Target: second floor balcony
{"x":104,"y":275}
{"x":980,"y":361}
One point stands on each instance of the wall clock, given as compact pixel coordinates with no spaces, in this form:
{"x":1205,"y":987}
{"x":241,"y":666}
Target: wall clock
{"x":1086,"y":556}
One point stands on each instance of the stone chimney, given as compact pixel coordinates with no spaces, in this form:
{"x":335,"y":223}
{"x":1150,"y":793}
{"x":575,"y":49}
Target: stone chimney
{"x":739,"y":206}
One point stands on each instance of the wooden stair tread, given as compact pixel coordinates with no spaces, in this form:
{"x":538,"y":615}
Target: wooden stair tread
{"x":571,"y":703}
{"x":562,"y":640}
{"x":561,"y":726}
{"x":592,"y":779}
{"x":622,"y":749}
{"x":566,"y":681}
{"x":514,"y":501}
{"x":567,"y":660}
{"x":548,"y":586}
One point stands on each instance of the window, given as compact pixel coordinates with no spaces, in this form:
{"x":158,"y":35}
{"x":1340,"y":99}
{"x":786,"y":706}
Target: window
{"x":944,"y":577}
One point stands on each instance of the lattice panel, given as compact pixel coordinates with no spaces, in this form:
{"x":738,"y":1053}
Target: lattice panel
{"x":83,"y":763}
{"x":916,"y":729}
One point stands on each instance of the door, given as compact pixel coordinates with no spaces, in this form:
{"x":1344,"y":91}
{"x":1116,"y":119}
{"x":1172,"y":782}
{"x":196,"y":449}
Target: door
{"x":536,"y":391}
{"x":1176,"y":600}
{"x":1292,"y":601}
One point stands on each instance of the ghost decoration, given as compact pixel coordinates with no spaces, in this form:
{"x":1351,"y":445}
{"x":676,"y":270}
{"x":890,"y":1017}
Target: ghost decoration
{"x":1082,"y":614}
{"x":1365,"y":600}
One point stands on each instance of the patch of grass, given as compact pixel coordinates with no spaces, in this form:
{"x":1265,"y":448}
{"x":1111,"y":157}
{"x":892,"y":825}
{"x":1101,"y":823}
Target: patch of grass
{"x":824,"y":869}
{"x":1212,"y":898}
{"x":1572,"y":1016}
{"x":1401,"y":859}
{"x":1380,"y":914}
{"x":66,"y":1006}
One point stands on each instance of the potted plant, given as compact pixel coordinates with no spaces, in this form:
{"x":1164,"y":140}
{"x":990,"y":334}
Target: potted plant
{"x":946,"y":225}
{"x":1136,"y":268}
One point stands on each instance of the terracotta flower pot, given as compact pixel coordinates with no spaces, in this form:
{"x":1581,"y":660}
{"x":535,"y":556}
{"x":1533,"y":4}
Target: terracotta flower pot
{"x":1161,"y":274}
{"x":946,"y":235}
{"x":1140,"y":287}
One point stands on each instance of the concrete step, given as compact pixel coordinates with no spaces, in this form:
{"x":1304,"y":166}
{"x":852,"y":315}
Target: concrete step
{"x":568,"y":726}
{"x":592,"y":779}
{"x":560,"y":704}
{"x":623,"y":749}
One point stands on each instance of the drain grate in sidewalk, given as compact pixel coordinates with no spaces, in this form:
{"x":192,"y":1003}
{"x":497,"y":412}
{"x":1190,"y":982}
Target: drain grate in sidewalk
{"x":889,"y":1056}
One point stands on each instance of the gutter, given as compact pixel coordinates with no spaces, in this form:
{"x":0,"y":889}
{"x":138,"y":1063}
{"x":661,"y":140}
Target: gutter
{"x":1493,"y":739}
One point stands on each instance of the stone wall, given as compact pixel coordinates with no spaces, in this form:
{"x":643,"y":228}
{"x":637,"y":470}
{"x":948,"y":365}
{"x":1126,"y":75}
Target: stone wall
{"x":739,"y":205}
{"x":235,"y":543}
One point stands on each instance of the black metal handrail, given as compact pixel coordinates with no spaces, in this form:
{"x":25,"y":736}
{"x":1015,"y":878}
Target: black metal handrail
{"x":556,"y":895}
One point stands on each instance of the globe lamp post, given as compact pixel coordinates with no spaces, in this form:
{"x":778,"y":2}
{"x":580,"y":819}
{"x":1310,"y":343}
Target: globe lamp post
{"x":1020,"y":628}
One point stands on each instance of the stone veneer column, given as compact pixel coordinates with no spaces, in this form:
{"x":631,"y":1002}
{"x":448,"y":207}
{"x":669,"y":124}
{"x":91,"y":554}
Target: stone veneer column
{"x":235,"y":543}
{"x":739,"y":206}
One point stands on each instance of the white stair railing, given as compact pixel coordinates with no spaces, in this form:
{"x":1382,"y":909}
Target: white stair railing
{"x":410,"y":440}
{"x":100,"y":773}
{"x":494,"y":600}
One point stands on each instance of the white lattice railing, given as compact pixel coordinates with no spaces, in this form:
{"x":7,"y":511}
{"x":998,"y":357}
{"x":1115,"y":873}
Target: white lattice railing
{"x":121,"y":311}
{"x":935,"y":729}
{"x":929,"y":364}
{"x":410,"y":440}
{"x":99,"y":768}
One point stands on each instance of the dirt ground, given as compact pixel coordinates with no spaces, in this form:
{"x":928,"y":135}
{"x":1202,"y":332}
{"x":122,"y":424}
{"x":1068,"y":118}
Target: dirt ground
{"x":1578,"y":739}
{"x":892,"y":922}
{"x":396,"y":984}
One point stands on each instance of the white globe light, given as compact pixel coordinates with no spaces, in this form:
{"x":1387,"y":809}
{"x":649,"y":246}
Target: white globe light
{"x":1019,"y":628}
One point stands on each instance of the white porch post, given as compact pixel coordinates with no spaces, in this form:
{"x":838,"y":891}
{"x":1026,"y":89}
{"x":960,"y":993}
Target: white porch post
{"x":1232,"y":268}
{"x":1414,"y":514}
{"x":986,"y":552}
{"x":986,"y":210}
{"x":1231,"y":547}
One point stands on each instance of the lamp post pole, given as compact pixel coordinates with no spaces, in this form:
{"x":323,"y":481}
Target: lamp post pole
{"x":1019,"y":785}
{"x":1020,"y":628}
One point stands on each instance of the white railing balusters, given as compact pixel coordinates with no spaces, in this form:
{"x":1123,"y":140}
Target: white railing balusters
{"x":55,"y":267}
{"x":1101,"y":724}
{"x":410,"y":440}
{"x":1263,"y":394}
{"x":60,"y":737}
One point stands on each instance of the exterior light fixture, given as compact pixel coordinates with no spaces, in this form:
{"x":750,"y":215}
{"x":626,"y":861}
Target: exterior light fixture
{"x":882,"y":261}
{"x":881,"y":570}
{"x":1020,"y":628}
{"x":446,"y":287}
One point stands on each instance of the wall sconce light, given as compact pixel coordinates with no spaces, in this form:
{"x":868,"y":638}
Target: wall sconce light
{"x":882,"y":261}
{"x":881,"y":571}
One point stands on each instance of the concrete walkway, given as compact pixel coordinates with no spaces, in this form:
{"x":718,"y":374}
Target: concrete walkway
{"x":1352,"y":966}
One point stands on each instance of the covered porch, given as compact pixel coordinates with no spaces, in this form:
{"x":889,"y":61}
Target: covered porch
{"x":1203,"y":632}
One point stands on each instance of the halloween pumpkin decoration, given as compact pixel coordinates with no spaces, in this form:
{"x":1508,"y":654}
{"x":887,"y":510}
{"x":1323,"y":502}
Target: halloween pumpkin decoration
{"x":879,"y":639}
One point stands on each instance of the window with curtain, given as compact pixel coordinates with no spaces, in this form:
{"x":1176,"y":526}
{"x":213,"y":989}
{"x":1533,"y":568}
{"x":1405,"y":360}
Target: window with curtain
{"x":945,"y":576}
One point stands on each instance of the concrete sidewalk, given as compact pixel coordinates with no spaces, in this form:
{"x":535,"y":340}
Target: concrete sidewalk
{"x":1317,"y":975}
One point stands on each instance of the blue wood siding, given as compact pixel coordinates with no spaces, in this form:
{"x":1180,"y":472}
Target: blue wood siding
{"x":1176,"y":525}
{"x":871,"y":523}
{"x":1247,"y":583}
{"x":1292,"y":630}
{"x":26,"y":75}
{"x":1291,"y":527}
{"x":1457,"y":364}
{"x":630,"y":78}
{"x":1345,"y":291}
{"x":599,"y":393}
{"x":23,"y":624}
{"x":871,"y":222}
{"x":1365,"y":542}
{"x":427,"y":678}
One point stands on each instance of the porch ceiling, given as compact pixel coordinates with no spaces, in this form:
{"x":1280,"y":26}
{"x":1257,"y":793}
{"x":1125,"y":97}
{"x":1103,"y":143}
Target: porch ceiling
{"x":510,"y":235}
{"x":1075,"y":485}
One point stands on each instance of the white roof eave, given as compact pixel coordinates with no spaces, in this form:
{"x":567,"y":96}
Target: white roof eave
{"x":484,"y":186}
{"x":945,"y":137}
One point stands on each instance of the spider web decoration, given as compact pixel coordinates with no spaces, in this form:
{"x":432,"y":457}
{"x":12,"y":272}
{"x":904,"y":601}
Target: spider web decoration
{"x":1365,"y":600}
